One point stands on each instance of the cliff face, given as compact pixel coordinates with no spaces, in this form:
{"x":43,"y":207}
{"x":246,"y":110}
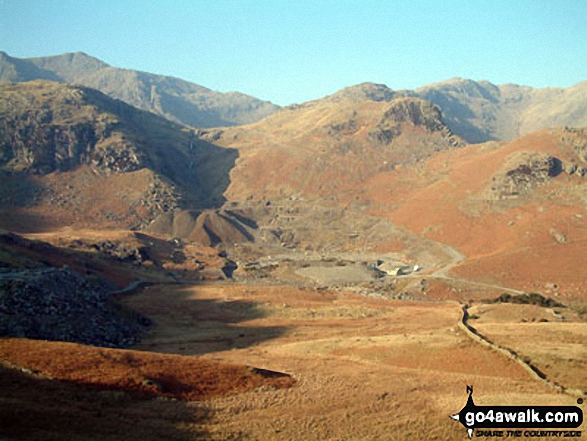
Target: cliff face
{"x":416,"y":112}
{"x":46,"y":127}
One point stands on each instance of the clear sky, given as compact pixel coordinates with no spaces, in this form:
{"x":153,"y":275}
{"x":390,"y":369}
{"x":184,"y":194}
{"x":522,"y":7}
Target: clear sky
{"x":294,"y":51}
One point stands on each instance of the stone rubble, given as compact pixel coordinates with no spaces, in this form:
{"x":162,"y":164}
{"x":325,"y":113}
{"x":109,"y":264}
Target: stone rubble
{"x":60,"y":305}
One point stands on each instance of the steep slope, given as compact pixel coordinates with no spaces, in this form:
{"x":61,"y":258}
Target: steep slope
{"x":15,"y":69}
{"x":177,"y":100}
{"x":68,"y":67}
{"x":71,"y":155}
{"x":481,"y":111}
{"x":327,"y":148}
{"x":517,"y":210}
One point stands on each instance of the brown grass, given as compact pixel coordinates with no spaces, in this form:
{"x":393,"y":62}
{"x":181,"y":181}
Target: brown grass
{"x":140,"y":373}
{"x":33,"y":408}
{"x":366,"y":368}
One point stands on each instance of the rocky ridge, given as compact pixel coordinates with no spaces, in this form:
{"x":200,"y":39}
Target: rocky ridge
{"x":175,"y":99}
{"x":479,"y":111}
{"x":416,"y":112}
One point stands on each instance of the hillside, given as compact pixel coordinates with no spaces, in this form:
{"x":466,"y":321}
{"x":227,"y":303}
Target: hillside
{"x":365,"y":169}
{"x":177,"y":100}
{"x":327,"y":148}
{"x":516,"y":210}
{"x":70,"y":155}
{"x":340,"y":269}
{"x":477,"y":111}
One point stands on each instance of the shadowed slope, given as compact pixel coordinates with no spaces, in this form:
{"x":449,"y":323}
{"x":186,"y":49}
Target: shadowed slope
{"x":71,"y":154}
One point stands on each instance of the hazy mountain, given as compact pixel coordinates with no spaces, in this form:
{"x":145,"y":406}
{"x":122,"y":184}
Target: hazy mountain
{"x":17,"y":70}
{"x":479,"y":111}
{"x":68,"y":67}
{"x":177,"y":100}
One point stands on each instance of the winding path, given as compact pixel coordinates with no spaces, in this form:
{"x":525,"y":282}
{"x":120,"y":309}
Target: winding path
{"x":456,"y":257}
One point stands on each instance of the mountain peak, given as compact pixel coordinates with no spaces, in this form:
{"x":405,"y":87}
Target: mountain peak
{"x":365,"y":91}
{"x":459,"y":84}
{"x":175,"y":99}
{"x":70,"y":66}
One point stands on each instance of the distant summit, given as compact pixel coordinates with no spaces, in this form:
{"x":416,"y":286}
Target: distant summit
{"x":368,"y":91}
{"x":479,"y":111}
{"x":69,"y":67}
{"x":476,"y":111}
{"x":17,"y":70}
{"x":177,"y":100}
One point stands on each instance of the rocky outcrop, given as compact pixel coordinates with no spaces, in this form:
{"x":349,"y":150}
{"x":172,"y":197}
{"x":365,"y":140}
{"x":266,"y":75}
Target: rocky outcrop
{"x":415,"y":112}
{"x":49,"y":137}
{"x":58,"y":304}
{"x":577,"y":138}
{"x":523,"y":172}
{"x":528,"y":299}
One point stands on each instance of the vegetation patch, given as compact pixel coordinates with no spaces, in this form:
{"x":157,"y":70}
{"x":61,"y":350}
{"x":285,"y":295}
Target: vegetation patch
{"x":527,"y":299}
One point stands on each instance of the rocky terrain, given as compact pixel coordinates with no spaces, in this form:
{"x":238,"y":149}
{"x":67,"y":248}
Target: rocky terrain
{"x":58,"y":304}
{"x":62,"y":146}
{"x":345,"y":247}
{"x":177,"y":100}
{"x":325,"y":149}
{"x":476,"y":111}
{"x":479,"y":111}
{"x":524,"y":171}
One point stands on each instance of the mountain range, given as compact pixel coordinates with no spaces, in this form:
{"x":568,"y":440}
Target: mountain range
{"x":359,"y":248}
{"x":477,"y":111}
{"x":73,"y":155}
{"x":177,"y":100}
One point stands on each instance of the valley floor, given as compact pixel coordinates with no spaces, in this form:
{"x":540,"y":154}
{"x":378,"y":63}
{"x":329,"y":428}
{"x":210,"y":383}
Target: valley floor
{"x":360,"y":361}
{"x":366,"y":368}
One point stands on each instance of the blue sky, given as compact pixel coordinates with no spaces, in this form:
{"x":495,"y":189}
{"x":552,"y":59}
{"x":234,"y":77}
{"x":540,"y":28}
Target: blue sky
{"x":294,"y":51}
